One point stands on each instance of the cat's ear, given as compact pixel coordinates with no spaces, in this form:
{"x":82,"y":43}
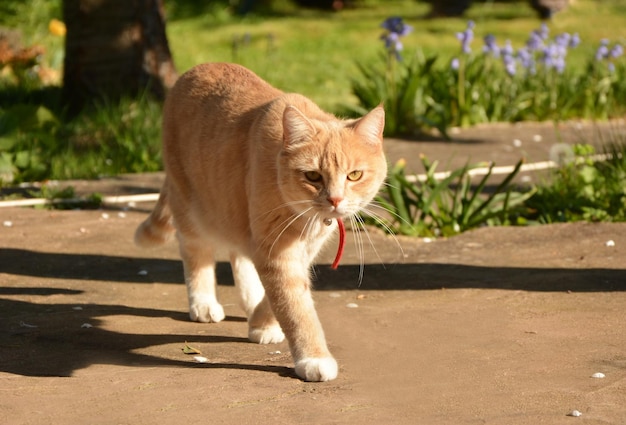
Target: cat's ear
{"x":370,"y":127}
{"x":296,"y":127}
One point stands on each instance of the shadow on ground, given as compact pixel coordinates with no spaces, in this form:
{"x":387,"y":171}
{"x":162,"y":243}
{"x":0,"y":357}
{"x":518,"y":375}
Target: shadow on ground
{"x":408,"y":276}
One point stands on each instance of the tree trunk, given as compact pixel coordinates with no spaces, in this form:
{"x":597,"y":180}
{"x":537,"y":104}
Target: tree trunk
{"x":115,"y":48}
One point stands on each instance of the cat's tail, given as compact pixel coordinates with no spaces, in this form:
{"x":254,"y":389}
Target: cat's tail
{"x":158,"y":228}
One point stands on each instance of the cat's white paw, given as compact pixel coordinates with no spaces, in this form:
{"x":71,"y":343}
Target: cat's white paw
{"x":316,"y":369}
{"x":206,"y":312}
{"x":269,"y":335}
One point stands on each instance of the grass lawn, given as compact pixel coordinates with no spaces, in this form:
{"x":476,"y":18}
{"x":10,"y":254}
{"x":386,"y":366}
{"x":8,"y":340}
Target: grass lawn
{"x":315,"y":53}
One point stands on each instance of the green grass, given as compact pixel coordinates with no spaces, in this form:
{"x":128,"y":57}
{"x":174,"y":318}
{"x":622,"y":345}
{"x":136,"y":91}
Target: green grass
{"x":315,"y":53}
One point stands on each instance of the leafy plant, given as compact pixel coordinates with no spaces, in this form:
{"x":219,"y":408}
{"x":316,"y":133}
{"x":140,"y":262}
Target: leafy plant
{"x":36,"y":144}
{"x":583,"y":189}
{"x":444,"y":207}
{"x":501,"y":83}
{"x":27,"y":135}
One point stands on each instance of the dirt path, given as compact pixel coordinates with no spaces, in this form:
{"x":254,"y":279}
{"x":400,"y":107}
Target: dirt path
{"x":496,"y":326}
{"x":502,"y":326}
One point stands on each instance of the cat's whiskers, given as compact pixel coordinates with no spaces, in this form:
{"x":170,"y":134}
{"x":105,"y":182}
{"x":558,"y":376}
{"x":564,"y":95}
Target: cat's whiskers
{"x":395,"y":215}
{"x":281,"y":206}
{"x":291,"y":219}
{"x":358,"y":240}
{"x":308,"y":228}
{"x":381,"y":222}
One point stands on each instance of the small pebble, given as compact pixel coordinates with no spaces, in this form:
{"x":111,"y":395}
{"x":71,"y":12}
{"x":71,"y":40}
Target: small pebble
{"x":86,"y":325}
{"x":105,"y":216}
{"x":142,"y":272}
{"x":574,"y":413}
{"x":610,"y":243}
{"x":537,"y":138}
{"x":121,"y":214}
{"x":274,"y":353}
{"x":334,"y":295}
{"x":352,"y":305}
{"x":77,"y":308}
{"x":7,"y":223}
{"x":517,"y":143}
{"x":200,"y":359}
{"x":427,"y":240}
{"x":598,"y":375}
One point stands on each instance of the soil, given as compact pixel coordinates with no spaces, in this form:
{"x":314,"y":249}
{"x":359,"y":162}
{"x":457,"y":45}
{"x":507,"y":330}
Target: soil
{"x":496,"y":326}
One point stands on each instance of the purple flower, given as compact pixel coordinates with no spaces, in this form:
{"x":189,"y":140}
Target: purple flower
{"x":563,"y":40}
{"x":491,"y":47}
{"x":507,"y":50}
{"x":527,"y":60}
{"x":554,"y":57}
{"x":466,"y":37}
{"x":574,"y":41}
{"x":509,"y":65}
{"x":603,"y":50}
{"x":396,"y":25}
{"x":395,"y":28}
{"x":534,"y":42}
{"x":605,"y":53}
{"x":616,"y":51}
{"x":537,"y":38}
{"x":392,"y":41}
{"x":455,"y":63}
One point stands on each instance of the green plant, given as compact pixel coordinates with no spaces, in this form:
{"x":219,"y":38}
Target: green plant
{"x":498,"y":84}
{"x":403,"y":91}
{"x":27,"y":135}
{"x":111,"y":138}
{"x":447,"y":206}
{"x":582,"y":189}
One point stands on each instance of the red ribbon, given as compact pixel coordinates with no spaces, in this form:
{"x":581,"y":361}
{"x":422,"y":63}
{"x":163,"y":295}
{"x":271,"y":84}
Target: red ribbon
{"x":342,"y":241}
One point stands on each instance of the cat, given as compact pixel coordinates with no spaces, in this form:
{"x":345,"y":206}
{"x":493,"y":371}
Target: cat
{"x":266,"y":175}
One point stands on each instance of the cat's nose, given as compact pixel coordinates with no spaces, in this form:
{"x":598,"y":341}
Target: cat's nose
{"x":334,"y":200}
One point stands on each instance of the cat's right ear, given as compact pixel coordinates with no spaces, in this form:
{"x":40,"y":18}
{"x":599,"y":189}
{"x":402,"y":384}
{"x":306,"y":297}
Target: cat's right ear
{"x":296,"y":127}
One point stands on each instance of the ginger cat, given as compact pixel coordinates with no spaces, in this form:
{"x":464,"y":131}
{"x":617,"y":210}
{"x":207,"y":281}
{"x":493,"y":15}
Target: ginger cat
{"x":266,"y":175}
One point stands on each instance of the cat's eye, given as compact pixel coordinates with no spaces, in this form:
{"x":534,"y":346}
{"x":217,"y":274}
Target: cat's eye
{"x":355,"y":175}
{"x":313,"y":176}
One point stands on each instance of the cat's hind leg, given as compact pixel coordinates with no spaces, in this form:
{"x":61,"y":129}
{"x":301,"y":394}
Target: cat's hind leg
{"x":199,"y":264}
{"x":263,"y":326}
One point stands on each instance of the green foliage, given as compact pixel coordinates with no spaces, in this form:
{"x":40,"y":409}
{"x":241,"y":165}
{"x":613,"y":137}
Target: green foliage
{"x":37,"y":144}
{"x":404,"y":90}
{"x":477,"y":88}
{"x":27,"y":134}
{"x":582,"y":189}
{"x":446,"y":206}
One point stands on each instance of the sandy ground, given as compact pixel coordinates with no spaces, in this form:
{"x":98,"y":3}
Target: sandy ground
{"x":496,"y":326}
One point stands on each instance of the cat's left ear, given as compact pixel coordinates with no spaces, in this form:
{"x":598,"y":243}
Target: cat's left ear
{"x":370,"y":127}
{"x":296,"y":127}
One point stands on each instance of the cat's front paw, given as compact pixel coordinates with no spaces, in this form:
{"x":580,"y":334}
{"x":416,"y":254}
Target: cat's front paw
{"x":317,"y":369}
{"x":269,"y":335}
{"x":206,"y":312}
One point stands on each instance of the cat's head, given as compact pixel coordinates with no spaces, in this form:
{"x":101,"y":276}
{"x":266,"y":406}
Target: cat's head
{"x":331,"y":168}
